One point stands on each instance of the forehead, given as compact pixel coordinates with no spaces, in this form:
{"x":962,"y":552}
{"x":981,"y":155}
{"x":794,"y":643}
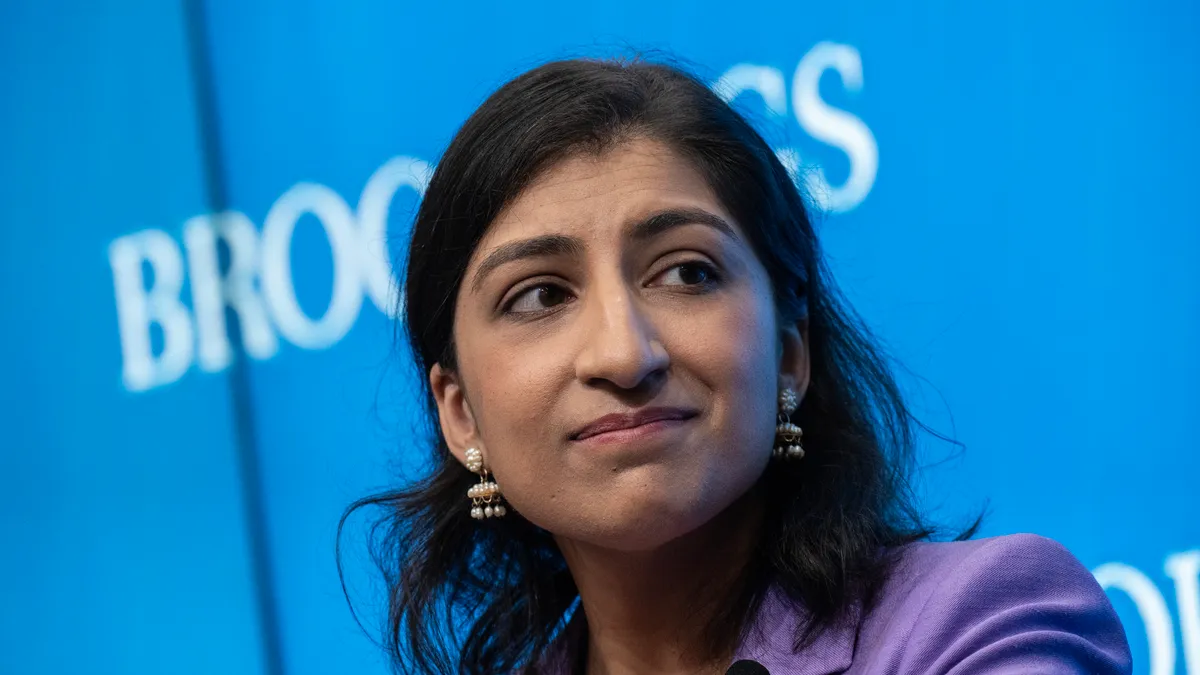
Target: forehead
{"x":589,"y":195}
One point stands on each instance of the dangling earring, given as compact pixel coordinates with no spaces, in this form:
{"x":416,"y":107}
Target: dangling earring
{"x":788,"y":435}
{"x":485,"y":497}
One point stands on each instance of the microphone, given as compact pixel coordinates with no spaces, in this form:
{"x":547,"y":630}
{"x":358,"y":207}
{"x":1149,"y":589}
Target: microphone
{"x":747,"y":667}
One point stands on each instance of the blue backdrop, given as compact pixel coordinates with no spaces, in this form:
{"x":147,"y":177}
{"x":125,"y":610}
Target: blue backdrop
{"x":199,"y":204}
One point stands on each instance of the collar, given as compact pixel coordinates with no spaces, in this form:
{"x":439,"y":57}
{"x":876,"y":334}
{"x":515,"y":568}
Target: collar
{"x":771,"y":639}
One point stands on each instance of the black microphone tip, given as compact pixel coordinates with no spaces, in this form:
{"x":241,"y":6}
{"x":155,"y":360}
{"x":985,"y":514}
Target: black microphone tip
{"x":747,"y":667}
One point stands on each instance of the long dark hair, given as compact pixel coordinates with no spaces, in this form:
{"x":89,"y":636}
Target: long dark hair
{"x":488,"y":597}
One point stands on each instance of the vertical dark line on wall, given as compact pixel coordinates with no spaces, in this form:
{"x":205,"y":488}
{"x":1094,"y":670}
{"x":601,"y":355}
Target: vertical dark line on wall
{"x":245,"y":437}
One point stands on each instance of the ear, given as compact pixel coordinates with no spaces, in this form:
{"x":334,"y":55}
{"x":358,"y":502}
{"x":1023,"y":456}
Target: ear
{"x":794,"y":363}
{"x":454,"y":412}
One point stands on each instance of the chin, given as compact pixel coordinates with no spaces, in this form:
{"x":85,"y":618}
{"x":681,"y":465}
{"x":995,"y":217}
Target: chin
{"x":645,"y":523}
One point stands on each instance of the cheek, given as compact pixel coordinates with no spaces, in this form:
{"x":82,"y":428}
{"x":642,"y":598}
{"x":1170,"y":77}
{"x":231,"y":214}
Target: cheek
{"x":514,"y":391}
{"x":744,"y":371}
{"x":729,"y":354}
{"x":739,"y":362}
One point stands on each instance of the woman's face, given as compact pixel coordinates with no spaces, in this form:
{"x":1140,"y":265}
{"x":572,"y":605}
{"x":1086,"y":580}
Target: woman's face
{"x":613,"y":292}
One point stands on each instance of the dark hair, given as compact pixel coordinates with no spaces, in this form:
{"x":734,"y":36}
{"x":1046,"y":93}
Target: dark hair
{"x":832,"y":519}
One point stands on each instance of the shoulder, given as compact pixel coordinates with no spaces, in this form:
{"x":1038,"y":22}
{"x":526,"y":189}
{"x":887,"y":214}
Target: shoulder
{"x":1018,"y":603}
{"x":1023,"y":556}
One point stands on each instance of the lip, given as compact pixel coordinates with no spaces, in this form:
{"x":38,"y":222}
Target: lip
{"x":647,"y":418}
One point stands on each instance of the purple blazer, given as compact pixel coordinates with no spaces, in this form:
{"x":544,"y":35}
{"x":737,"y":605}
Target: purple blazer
{"x":1014,"y":604}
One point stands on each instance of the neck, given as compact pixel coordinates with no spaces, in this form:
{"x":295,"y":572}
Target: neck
{"x":647,"y":611}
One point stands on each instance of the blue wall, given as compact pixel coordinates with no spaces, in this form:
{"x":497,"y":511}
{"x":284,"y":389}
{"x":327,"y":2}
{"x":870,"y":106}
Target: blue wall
{"x":1009,"y":188}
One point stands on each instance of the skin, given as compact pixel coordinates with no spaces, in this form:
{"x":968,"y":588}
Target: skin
{"x":615,"y":322}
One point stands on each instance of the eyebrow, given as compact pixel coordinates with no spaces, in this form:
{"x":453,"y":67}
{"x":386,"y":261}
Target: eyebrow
{"x":672,"y":218}
{"x":563,"y":245}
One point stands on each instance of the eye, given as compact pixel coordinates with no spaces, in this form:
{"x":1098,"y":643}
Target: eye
{"x":537,"y":299}
{"x":693,"y":273}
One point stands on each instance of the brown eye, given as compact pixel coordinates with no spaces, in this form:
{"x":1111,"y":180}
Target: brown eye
{"x":537,"y":299}
{"x":688,"y":274}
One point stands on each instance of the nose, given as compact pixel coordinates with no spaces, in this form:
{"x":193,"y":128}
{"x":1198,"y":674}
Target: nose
{"x":621,"y":343}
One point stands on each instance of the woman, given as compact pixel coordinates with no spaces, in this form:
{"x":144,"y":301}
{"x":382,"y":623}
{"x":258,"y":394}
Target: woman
{"x":661,"y":442}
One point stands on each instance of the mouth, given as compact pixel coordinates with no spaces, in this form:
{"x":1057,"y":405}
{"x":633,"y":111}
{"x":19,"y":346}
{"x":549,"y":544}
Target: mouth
{"x":644,"y":420}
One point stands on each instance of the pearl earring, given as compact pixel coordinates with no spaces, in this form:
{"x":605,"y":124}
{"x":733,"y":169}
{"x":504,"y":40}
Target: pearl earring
{"x":787,"y":434}
{"x":485,"y":497}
